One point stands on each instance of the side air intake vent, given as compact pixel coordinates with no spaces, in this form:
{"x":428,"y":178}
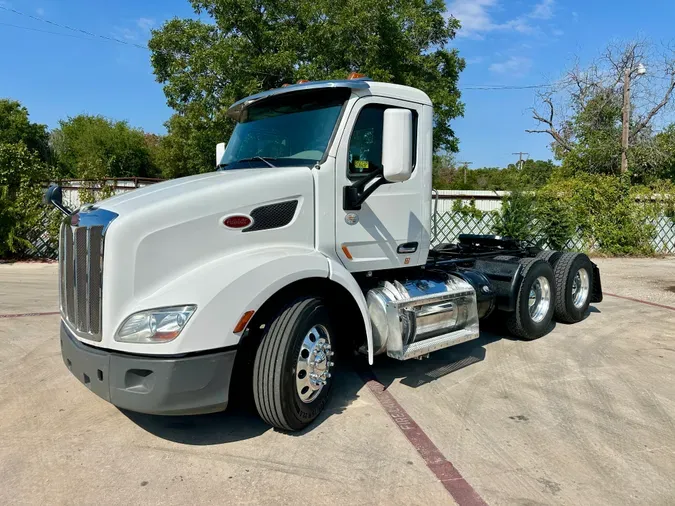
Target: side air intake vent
{"x":272,"y":216}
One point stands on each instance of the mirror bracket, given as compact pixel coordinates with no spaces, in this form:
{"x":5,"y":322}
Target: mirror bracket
{"x":357,"y":193}
{"x":54,"y":196}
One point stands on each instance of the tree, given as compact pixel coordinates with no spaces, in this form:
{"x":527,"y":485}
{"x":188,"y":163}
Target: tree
{"x":190,"y":144}
{"x":93,"y":147}
{"x":583,"y":114}
{"x":15,"y":127}
{"x":254,"y":45}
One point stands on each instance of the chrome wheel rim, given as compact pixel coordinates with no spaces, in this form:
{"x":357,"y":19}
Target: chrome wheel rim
{"x":581,"y":286}
{"x":312,"y":370}
{"x":540,"y":299}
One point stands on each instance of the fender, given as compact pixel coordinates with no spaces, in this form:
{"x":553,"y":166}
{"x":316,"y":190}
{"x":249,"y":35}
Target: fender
{"x":223,"y":291}
{"x":223,"y":295}
{"x":343,"y":277}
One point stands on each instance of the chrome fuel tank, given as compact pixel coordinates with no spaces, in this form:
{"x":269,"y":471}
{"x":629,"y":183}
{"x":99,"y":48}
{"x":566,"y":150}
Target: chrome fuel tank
{"x":414,"y":317}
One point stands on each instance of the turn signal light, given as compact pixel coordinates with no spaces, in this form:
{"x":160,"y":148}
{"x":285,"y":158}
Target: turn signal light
{"x":243,"y":321}
{"x":302,"y":81}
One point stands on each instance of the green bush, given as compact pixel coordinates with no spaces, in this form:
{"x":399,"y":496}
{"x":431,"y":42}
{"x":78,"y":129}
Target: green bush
{"x":605,"y":213}
{"x":515,"y":218}
{"x":467,"y":210}
{"x":21,"y":209}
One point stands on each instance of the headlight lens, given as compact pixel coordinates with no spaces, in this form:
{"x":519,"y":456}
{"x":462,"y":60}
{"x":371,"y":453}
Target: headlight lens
{"x":154,"y":325}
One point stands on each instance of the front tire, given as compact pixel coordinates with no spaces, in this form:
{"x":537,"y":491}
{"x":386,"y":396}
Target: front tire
{"x":534,"y":301}
{"x":291,"y":373}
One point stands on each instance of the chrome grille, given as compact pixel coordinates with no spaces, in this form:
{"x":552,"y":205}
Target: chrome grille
{"x":81,"y":271}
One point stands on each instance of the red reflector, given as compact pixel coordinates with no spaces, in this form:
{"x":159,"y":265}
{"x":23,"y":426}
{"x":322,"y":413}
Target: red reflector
{"x":237,"y":221}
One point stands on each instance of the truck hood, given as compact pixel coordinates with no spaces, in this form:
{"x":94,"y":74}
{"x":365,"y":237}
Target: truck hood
{"x":168,"y":190}
{"x":167,"y":229}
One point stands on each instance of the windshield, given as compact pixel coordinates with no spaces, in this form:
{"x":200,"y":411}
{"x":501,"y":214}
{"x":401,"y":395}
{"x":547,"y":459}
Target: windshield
{"x":289,"y":129}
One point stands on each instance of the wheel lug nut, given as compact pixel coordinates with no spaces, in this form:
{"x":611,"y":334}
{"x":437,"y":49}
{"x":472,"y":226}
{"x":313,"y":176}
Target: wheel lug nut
{"x":331,"y":364}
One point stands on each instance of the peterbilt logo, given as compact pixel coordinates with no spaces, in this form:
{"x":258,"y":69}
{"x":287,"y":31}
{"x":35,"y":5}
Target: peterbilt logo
{"x":75,"y":219}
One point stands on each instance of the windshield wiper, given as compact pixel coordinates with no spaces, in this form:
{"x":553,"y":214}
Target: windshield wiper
{"x":261,"y":158}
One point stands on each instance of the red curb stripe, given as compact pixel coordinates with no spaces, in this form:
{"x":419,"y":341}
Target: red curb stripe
{"x":22,"y":315}
{"x":448,"y":475}
{"x":640,"y":301}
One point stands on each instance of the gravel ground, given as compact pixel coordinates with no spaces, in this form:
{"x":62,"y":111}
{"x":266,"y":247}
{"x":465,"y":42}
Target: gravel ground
{"x":651,"y":279}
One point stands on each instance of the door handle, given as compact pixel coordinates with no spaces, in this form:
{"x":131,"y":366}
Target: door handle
{"x":408,"y":247}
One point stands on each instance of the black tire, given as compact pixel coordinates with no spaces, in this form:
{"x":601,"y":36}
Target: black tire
{"x":565,"y":271}
{"x":520,"y":323}
{"x":274,"y":371}
{"x":549,"y":256}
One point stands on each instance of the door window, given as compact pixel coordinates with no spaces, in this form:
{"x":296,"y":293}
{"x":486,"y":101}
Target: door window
{"x":365,"y":145}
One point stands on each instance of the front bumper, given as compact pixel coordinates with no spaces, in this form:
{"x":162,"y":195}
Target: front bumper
{"x":155,"y":385}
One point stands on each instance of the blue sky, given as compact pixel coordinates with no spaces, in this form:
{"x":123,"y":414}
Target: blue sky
{"x":505,"y":42}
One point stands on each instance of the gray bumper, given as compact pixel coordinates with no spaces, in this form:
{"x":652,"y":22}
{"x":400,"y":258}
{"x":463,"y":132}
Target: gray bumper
{"x":154,"y":385}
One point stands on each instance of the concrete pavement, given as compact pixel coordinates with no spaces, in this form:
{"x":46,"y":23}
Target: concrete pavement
{"x":585,"y":415}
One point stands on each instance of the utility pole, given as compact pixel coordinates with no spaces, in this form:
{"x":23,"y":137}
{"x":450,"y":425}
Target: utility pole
{"x":520,"y":158}
{"x":625,"y":120}
{"x":639,"y":70}
{"x":465,"y":165}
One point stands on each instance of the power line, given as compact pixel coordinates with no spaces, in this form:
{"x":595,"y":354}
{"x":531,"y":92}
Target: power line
{"x":481,"y":87}
{"x":507,"y":87}
{"x":78,"y":30}
{"x":47,"y":31}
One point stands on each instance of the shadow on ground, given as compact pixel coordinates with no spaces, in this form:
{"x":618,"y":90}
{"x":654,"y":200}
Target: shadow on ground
{"x":240,"y":421}
{"x":414,"y":373}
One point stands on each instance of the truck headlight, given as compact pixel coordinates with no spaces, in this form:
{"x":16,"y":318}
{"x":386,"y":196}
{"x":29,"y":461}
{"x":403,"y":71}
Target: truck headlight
{"x":154,"y":325}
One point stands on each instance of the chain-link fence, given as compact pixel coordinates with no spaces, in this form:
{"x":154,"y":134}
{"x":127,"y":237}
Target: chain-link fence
{"x":450,"y":225}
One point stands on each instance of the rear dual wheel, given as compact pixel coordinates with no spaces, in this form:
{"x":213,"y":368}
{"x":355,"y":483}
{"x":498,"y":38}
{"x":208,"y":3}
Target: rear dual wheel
{"x":534,"y":300}
{"x":553,"y":284}
{"x":574,"y":279}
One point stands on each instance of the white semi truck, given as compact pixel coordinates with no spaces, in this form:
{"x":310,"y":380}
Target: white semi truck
{"x":313,"y":235}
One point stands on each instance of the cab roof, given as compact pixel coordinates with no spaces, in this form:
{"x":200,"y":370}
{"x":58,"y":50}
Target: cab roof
{"x":363,"y":85}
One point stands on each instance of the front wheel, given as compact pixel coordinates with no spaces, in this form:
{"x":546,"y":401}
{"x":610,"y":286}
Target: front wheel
{"x":291,"y":373}
{"x":534,"y":301}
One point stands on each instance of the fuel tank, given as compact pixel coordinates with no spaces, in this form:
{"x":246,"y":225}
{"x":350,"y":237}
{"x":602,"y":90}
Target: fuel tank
{"x":414,"y":317}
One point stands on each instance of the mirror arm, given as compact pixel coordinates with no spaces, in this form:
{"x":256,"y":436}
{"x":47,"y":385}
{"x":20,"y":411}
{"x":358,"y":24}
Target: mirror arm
{"x":62,"y":208}
{"x":53,"y":196}
{"x":357,"y":193}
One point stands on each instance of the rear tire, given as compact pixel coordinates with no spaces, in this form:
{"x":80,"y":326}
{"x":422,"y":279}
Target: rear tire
{"x":293,"y":347}
{"x":573,"y":280}
{"x":534,"y":301}
{"x":549,"y":256}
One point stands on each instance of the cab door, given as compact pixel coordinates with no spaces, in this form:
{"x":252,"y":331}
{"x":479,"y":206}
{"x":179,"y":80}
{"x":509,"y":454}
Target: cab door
{"x":388,"y":229}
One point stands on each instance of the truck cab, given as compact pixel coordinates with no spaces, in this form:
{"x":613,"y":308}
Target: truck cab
{"x":312,"y":236}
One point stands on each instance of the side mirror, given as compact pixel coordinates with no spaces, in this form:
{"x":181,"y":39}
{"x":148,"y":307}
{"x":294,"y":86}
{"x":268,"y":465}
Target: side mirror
{"x":397,"y":143}
{"x":54,"y":196}
{"x":220,"y":151}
